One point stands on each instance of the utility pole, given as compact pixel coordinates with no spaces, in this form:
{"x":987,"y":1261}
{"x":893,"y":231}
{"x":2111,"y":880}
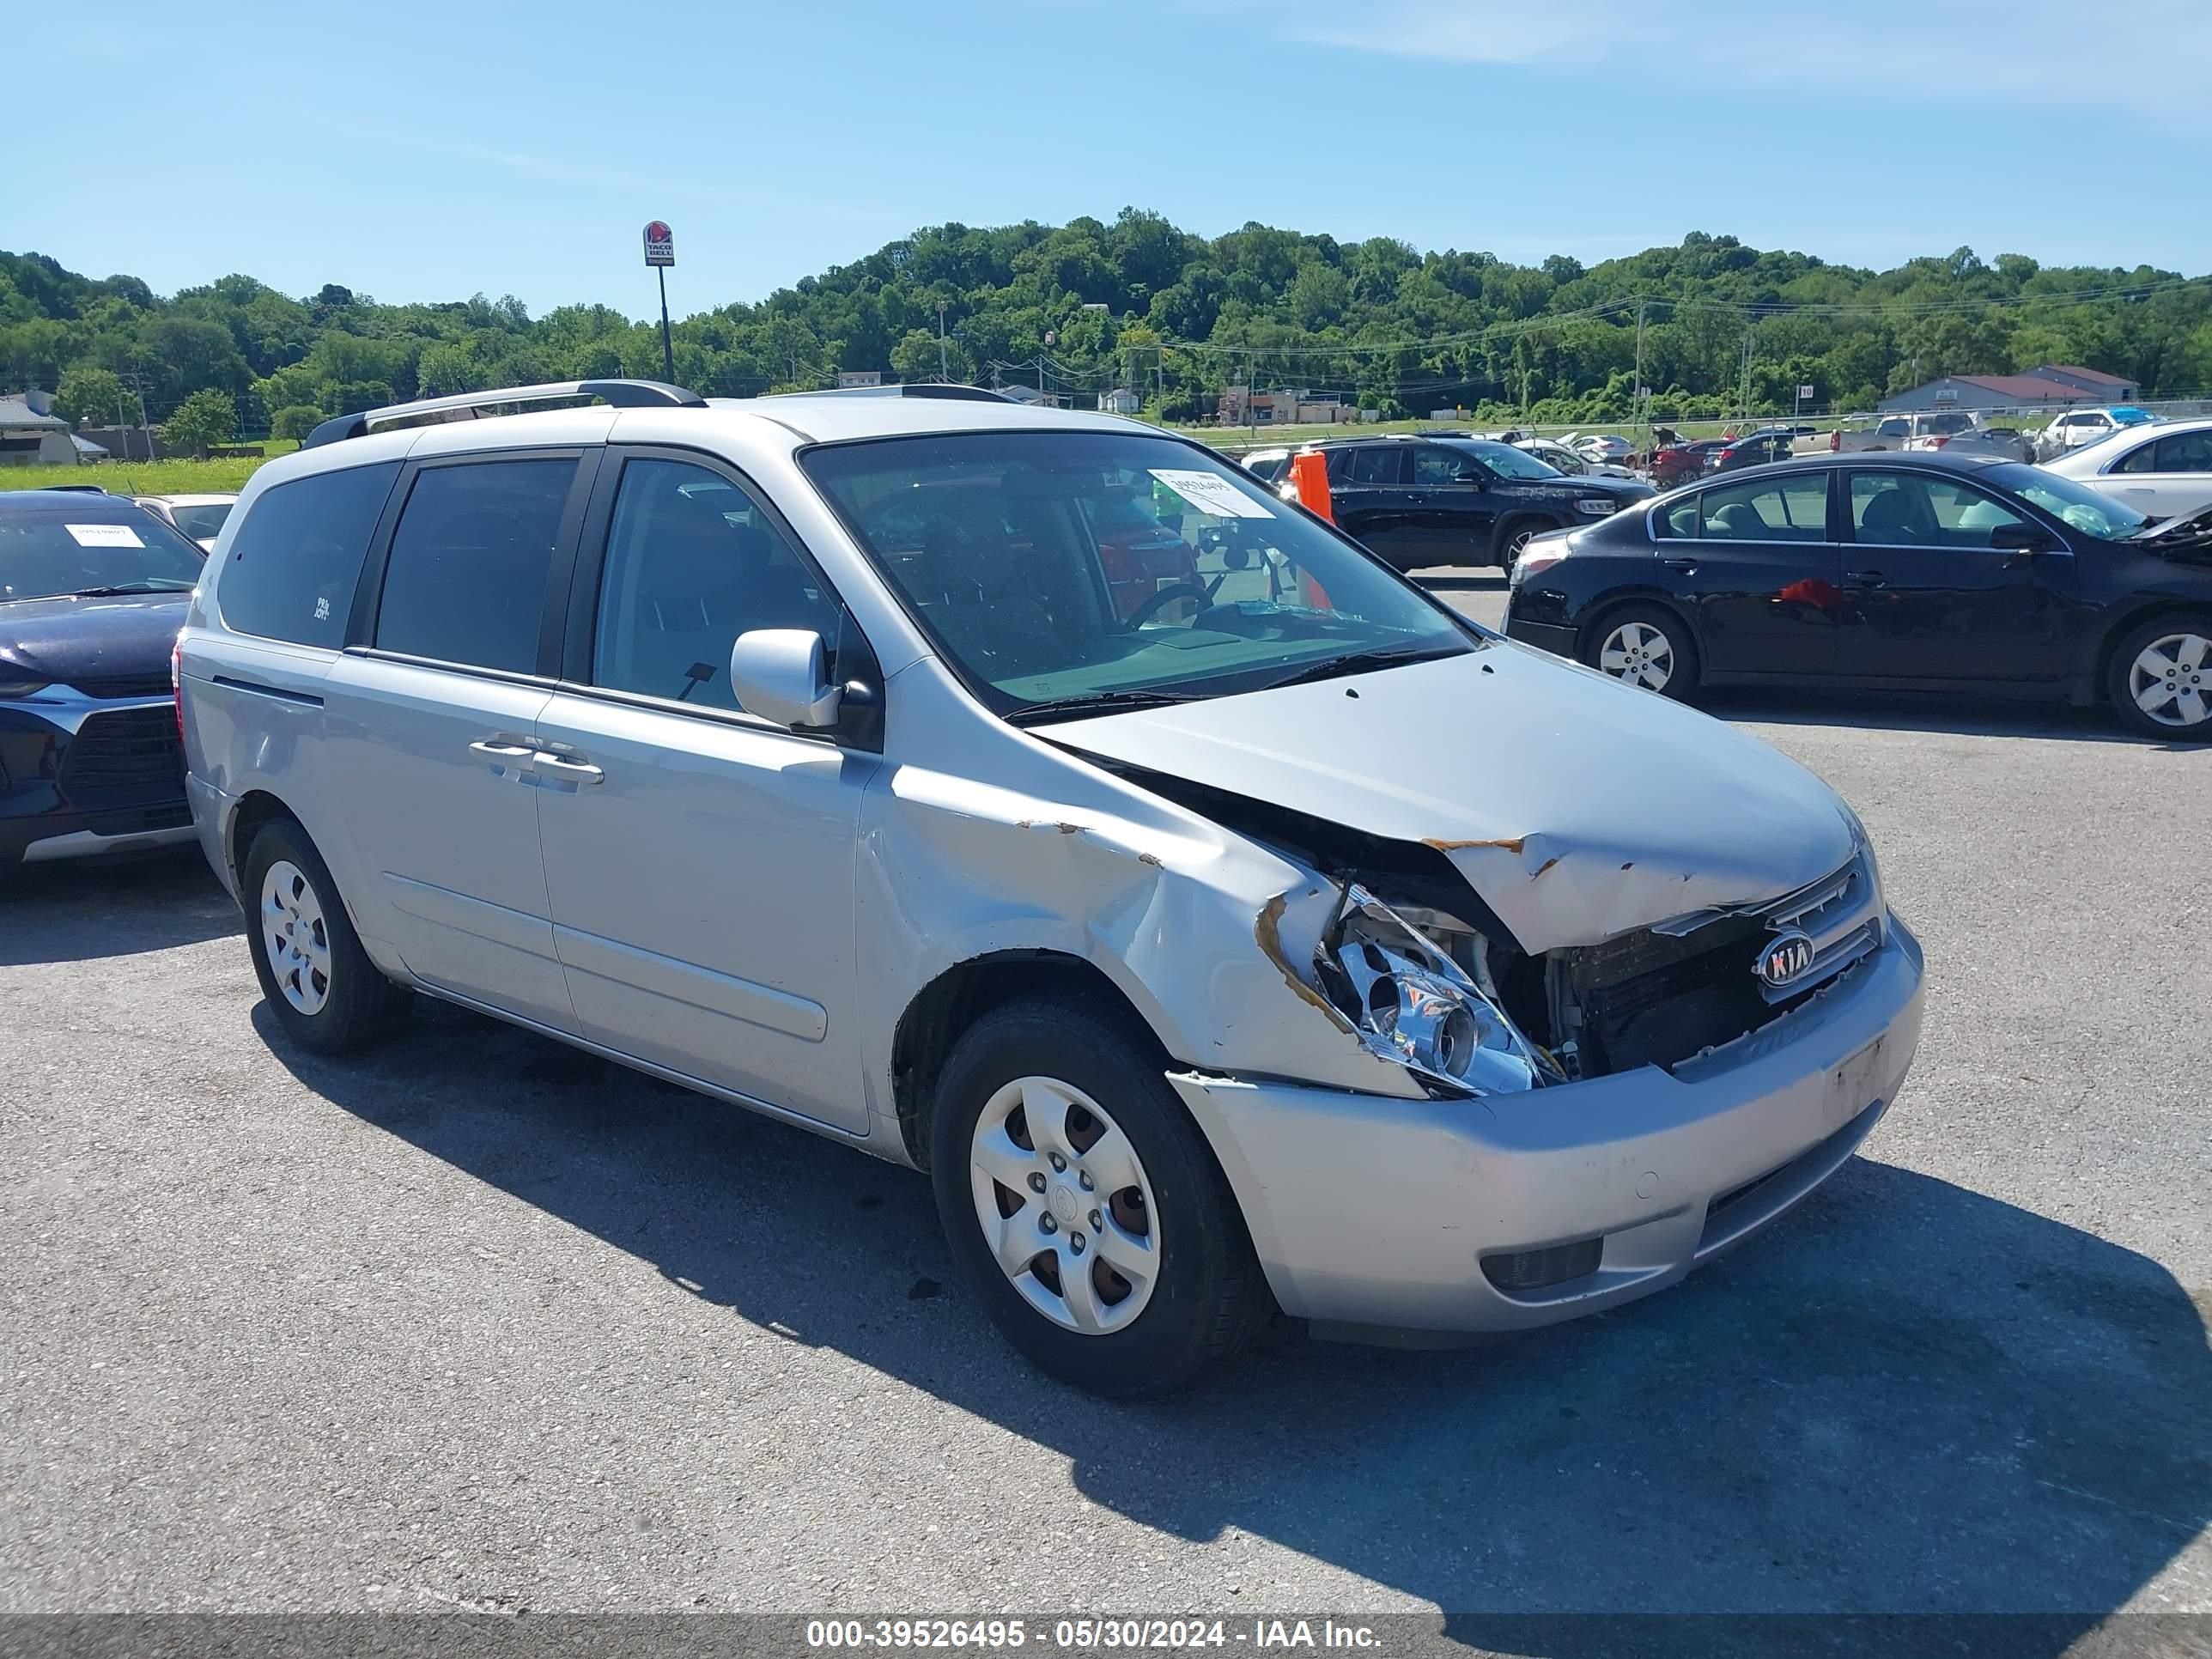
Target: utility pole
{"x":1636,"y":396}
{"x":1748,"y":336}
{"x":943,"y":373}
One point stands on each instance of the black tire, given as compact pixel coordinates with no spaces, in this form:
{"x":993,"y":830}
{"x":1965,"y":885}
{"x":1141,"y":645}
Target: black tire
{"x":1210,"y":1298}
{"x":359,"y":1003}
{"x":2119,"y":675}
{"x":1513,"y":535}
{"x":1682,"y":666}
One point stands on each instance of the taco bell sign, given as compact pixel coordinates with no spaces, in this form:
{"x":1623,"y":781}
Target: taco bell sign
{"x":660,"y":244}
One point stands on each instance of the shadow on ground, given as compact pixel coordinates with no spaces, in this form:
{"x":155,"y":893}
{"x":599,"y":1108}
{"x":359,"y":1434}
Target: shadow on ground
{"x":82,"y":910}
{"x":1905,"y":711}
{"x":1902,"y":1397}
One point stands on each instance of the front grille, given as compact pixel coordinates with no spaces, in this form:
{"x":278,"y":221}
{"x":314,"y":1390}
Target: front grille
{"x":1662,"y":996}
{"x":1539,"y":1270}
{"x":129,"y":752}
{"x":123,"y":685}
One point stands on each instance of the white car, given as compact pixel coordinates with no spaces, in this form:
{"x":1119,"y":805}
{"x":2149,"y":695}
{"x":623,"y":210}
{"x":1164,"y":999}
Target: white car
{"x":1574,"y":463}
{"x":2163,"y":469}
{"x":1602,"y":446}
{"x":196,"y":518}
{"x":2078,"y":426}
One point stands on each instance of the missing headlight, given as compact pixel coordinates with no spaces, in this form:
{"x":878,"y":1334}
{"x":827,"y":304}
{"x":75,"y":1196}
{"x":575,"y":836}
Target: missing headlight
{"x":1413,"y":1004}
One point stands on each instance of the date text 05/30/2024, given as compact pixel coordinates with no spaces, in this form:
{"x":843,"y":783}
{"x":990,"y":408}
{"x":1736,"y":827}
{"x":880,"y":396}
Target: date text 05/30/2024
{"x":1088,"y":1635}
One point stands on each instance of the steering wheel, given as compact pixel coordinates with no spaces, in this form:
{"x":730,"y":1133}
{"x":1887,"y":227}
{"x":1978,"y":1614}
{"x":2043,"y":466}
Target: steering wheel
{"x":1158,"y":601}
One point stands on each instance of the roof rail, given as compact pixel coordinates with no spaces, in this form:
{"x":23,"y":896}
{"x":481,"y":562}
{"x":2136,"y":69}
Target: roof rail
{"x":622,"y":394}
{"x":963,"y":394}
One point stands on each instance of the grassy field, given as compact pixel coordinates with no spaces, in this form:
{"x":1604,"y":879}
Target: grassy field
{"x":147,"y":478}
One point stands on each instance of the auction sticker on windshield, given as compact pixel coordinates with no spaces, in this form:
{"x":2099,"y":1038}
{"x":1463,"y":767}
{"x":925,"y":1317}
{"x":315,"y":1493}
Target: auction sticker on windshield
{"x":105,"y":535}
{"x":1210,"y":494}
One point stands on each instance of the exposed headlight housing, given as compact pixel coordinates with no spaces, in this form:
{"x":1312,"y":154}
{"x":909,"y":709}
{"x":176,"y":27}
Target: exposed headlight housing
{"x":1602,"y":507}
{"x":1412,"y":1003}
{"x":20,"y":682}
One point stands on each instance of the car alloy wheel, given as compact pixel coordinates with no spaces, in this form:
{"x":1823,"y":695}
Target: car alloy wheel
{"x":1639,"y":654}
{"x":1065,"y":1204}
{"x":2172,"y":682}
{"x":295,"y":936}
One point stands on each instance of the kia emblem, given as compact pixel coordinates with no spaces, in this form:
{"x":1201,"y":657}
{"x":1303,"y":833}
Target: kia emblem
{"x":1788,"y":957}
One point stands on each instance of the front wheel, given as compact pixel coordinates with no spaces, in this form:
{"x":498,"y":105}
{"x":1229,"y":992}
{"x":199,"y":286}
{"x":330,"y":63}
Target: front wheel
{"x":1646,"y":646}
{"x":2161,"y":678}
{"x":1513,"y":539}
{"x":1084,"y":1207}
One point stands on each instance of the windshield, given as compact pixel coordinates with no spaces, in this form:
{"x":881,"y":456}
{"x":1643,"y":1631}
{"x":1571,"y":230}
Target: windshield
{"x":202,"y":523}
{"x":1953,"y":424}
{"x":91,"y":548}
{"x":1057,"y":569}
{"x":2090,"y":511}
{"x":1505,"y":460}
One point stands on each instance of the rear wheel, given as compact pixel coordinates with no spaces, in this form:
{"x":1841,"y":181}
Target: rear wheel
{"x":1084,"y":1206}
{"x":1646,"y":646}
{"x":317,"y":979}
{"x":2161,"y":677}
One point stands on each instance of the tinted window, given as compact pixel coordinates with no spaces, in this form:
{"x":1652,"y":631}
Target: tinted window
{"x":1376,"y":466}
{"x":89,"y":543}
{"x":692,"y":562}
{"x":1792,"y":509}
{"x":1435,"y":464}
{"x":2186,"y":451}
{"x":1911,"y":509}
{"x":201,"y":522}
{"x":296,"y":557}
{"x":465,"y":579}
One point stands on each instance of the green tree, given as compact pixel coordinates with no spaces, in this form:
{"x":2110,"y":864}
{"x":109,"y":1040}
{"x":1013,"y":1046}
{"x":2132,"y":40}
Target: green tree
{"x":203,"y":420}
{"x":93,"y":395}
{"x":296,"y":421}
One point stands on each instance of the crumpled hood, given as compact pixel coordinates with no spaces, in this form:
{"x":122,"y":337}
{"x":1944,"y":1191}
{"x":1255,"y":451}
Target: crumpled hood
{"x":68,"y":638}
{"x":1578,"y":808}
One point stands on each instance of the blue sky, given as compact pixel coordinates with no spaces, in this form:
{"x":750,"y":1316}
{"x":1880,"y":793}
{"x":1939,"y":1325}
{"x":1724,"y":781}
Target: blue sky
{"x":416,"y":151}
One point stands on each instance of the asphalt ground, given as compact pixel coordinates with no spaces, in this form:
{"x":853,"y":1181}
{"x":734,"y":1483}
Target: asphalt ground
{"x":480,"y":1322}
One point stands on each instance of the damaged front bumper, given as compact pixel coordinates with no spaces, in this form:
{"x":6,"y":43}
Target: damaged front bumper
{"x":1376,"y":1216}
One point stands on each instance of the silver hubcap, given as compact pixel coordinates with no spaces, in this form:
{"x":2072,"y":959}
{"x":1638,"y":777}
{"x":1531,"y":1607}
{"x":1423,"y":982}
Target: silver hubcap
{"x":1639,"y":654}
{"x":293,"y":935}
{"x":2171,"y":682}
{"x":1065,"y":1205}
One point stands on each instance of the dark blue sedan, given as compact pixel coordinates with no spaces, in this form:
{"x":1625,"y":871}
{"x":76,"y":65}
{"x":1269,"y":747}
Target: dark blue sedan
{"x":93,"y":590}
{"x":1904,"y":571}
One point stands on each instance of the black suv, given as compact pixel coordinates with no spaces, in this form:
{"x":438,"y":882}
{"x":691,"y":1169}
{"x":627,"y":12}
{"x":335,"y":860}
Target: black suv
{"x":1442,"y":499}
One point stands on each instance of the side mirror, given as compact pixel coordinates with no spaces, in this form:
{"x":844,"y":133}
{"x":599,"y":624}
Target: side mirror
{"x":782,"y":675}
{"x":2023,"y":539}
{"x":1236,"y":555}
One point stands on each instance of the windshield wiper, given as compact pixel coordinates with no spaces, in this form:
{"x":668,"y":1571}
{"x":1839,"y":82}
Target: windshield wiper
{"x":122,"y":589}
{"x":1362,"y":662}
{"x":1101,"y":703}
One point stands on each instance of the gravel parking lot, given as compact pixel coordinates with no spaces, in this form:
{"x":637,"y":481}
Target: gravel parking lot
{"x":483,"y":1322}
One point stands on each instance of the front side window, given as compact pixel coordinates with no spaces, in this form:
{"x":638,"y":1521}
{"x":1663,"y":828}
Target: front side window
{"x":95,"y":550}
{"x":296,"y":561}
{"x":1056,"y":569}
{"x":1792,"y":509}
{"x":692,"y":562}
{"x":1435,"y":465}
{"x":465,"y":581}
{"x":1911,"y":509}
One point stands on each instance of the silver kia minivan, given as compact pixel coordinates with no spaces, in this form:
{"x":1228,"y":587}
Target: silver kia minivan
{"x":1224,"y":924}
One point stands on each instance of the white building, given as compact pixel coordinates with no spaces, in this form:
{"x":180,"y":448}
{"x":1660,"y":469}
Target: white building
{"x":1119,"y":401}
{"x":31,"y":434}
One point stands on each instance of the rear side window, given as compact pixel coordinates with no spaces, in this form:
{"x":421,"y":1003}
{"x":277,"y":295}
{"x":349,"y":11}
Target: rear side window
{"x":465,"y":581}
{"x":296,"y":557}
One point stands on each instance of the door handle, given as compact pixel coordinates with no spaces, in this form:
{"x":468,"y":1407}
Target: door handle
{"x":504,"y":755}
{"x":566,"y":768}
{"x":1866,"y":579}
{"x":1681,"y":566}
